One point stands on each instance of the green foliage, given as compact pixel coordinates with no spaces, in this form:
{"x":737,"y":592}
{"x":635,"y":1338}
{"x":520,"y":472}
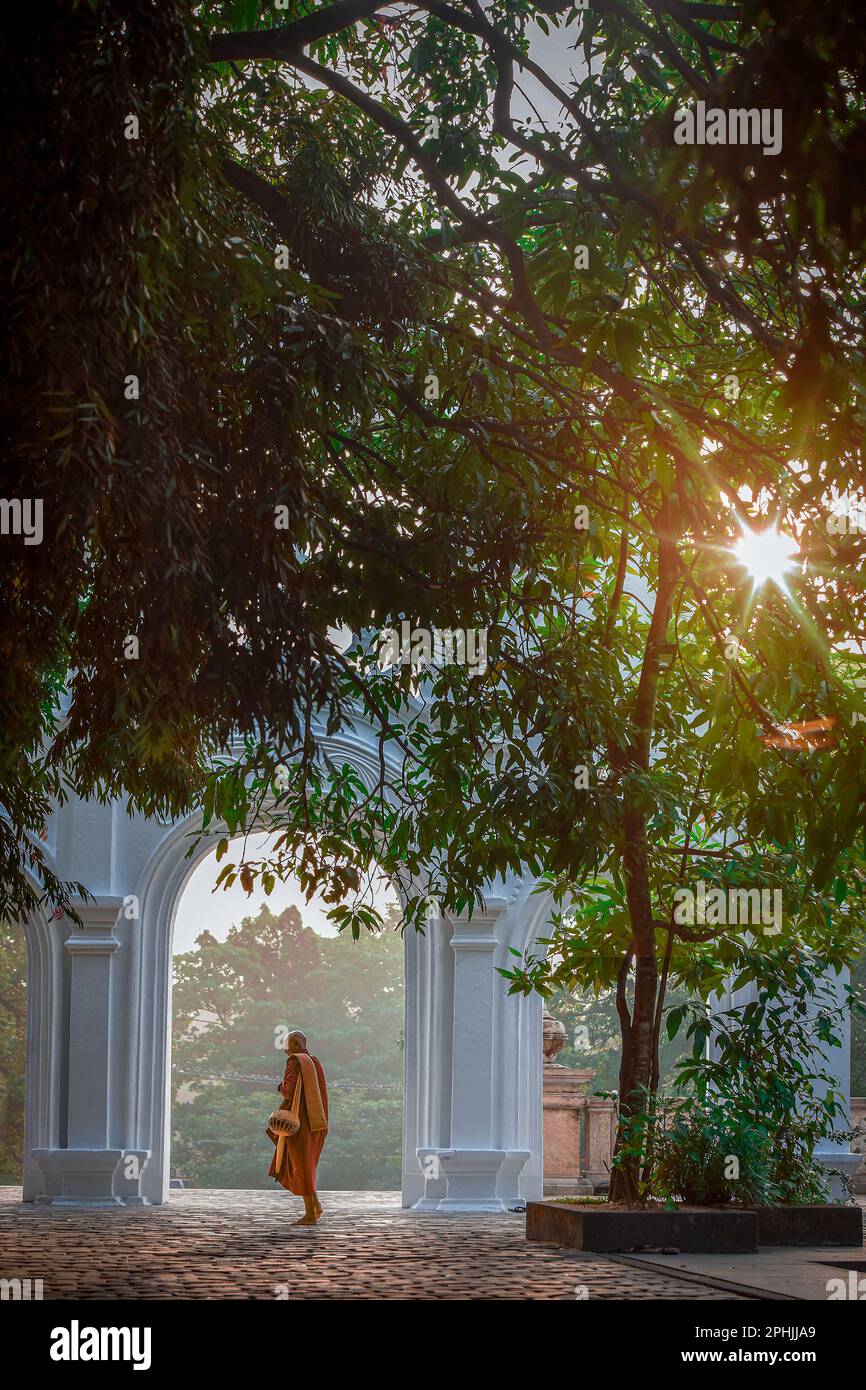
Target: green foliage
{"x":264,"y":484}
{"x":693,"y":1145}
{"x":234,"y":1001}
{"x":593,"y":1039}
{"x":364,"y":1145}
{"x":451,"y":255}
{"x":745,"y":1116}
{"x":218,"y":1140}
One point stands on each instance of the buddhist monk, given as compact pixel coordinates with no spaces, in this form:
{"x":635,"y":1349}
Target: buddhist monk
{"x":295,"y":1159}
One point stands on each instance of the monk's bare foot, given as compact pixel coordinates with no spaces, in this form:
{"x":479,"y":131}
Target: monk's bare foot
{"x":320,"y":1210}
{"x":305,"y":1221}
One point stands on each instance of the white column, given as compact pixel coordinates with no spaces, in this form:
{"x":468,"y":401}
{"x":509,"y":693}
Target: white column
{"x":518,"y":1095}
{"x":415,"y":1032}
{"x":517,"y":1107}
{"x":472,"y":1162}
{"x":91,"y":1168}
{"x":429,"y":1064}
{"x":835,"y":1155}
{"x":45,"y":1093}
{"x":476,"y":1064}
{"x":91,"y":950}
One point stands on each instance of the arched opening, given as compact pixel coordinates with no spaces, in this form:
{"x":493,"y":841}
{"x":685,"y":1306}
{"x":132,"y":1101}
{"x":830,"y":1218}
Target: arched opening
{"x":245,"y":971}
{"x":99,"y":1084}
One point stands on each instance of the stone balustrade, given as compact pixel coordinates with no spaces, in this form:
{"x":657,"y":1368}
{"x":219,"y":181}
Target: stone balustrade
{"x":579,"y":1133}
{"x":580,"y":1128}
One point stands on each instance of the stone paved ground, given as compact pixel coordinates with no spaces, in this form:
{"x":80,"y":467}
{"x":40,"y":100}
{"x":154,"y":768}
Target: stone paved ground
{"x":241,"y":1245}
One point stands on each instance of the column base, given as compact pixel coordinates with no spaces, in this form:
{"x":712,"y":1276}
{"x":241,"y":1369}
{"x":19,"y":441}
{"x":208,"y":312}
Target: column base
{"x":470,"y":1177}
{"x":509,"y":1176}
{"x":90,"y":1177}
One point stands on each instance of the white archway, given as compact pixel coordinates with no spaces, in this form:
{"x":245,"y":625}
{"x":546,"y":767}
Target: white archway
{"x":97,"y":1109}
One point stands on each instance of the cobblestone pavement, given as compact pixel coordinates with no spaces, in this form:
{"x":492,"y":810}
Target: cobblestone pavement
{"x":241,"y":1245}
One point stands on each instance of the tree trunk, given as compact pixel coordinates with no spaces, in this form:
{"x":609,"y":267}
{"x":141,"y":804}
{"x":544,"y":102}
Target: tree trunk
{"x":639,"y":1064}
{"x":639,"y":1041}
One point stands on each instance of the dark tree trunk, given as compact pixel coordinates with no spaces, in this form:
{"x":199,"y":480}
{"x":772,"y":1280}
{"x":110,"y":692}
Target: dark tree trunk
{"x":639,"y":1041}
{"x":639,"y":1066}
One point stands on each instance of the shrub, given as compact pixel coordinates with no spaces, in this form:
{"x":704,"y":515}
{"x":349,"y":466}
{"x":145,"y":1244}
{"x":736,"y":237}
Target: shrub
{"x":750,"y":1105}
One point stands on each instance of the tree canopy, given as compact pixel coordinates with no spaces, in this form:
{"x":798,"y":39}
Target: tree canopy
{"x":510,"y":355}
{"x":213,"y":395}
{"x":672,"y":332}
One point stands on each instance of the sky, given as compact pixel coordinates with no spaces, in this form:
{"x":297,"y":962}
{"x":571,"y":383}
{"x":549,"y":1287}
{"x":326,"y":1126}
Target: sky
{"x":201,"y":909}
{"x":555,"y":52}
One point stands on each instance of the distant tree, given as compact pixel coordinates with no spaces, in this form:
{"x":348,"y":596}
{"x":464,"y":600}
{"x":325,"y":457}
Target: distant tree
{"x":234,"y":1002}
{"x":593,"y":1039}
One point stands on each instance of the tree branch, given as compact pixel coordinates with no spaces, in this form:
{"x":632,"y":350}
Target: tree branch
{"x":286,"y":42}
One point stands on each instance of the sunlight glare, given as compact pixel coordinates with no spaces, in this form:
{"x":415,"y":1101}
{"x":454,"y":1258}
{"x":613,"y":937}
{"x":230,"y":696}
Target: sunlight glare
{"x":767,"y":554}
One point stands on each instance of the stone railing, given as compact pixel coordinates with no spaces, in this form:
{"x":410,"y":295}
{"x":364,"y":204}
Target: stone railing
{"x":578,"y":1134}
{"x":858,"y":1117}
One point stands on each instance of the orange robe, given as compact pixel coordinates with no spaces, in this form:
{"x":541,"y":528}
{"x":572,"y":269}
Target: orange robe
{"x":301,"y":1153}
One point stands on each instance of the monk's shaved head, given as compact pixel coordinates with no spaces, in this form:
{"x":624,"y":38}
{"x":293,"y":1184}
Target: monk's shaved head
{"x":296,"y":1041}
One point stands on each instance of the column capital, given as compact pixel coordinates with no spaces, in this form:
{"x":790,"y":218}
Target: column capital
{"x":97,"y":936}
{"x":478,"y":932}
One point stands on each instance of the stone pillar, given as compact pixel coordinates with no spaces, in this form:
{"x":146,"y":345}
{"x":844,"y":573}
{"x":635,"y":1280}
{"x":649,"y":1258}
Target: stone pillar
{"x":565,"y":1100}
{"x":836,"y":1156}
{"x":472,"y":1162}
{"x":599,"y":1132}
{"x":428,"y":1033}
{"x":45,"y":1092}
{"x":473,"y":1063}
{"x":90,"y":1169}
{"x":91,"y":950}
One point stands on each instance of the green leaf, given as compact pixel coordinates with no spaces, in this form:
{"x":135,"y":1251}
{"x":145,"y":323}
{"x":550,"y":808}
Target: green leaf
{"x":627,"y":337}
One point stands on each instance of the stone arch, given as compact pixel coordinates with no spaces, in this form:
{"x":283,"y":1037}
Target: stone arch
{"x":98,"y":1113}
{"x":159,"y":891}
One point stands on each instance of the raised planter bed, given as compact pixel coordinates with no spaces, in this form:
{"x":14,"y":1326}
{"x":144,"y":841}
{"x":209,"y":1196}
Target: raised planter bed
{"x":696,"y":1230}
{"x":603,"y":1228}
{"x":819,"y":1225}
